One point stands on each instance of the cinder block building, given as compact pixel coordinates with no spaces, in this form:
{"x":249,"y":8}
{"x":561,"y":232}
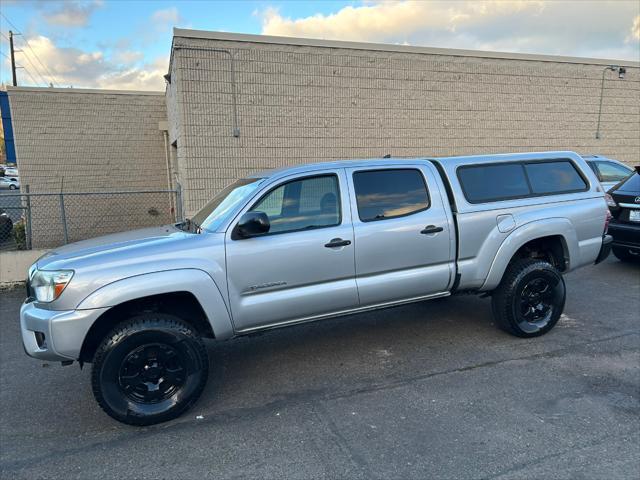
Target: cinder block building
{"x":237,"y":103}
{"x":75,"y":140}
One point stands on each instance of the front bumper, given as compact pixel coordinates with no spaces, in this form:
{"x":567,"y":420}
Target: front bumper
{"x":55,"y":335}
{"x":625,"y":235}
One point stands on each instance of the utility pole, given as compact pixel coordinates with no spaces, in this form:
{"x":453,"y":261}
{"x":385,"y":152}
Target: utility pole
{"x":13,"y":60}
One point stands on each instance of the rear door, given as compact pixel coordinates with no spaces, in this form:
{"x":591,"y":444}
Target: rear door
{"x":304,"y":266}
{"x":404,"y":246}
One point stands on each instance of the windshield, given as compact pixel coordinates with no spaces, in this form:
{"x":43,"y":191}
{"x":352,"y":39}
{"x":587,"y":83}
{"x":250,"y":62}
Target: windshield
{"x":214,"y":213}
{"x":631,"y":185}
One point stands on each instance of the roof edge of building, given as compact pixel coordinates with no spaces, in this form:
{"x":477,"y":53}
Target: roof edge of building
{"x":311,"y":42}
{"x":11,"y":88}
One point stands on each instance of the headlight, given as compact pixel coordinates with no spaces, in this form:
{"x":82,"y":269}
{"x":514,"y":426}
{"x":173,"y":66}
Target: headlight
{"x":48,"y":285}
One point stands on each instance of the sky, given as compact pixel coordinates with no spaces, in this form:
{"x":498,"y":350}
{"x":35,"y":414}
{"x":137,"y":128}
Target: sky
{"x":125,"y":44}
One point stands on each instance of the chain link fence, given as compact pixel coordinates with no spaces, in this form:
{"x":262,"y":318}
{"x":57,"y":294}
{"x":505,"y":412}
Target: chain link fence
{"x":49,"y":220}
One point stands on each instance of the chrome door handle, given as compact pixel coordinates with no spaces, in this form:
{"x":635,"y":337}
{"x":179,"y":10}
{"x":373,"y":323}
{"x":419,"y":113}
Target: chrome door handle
{"x":431,"y":229}
{"x":337,"y":242}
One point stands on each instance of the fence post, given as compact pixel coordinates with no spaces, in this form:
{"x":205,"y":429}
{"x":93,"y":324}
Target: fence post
{"x":63,"y":218}
{"x":28,"y":217}
{"x":179,"y":202}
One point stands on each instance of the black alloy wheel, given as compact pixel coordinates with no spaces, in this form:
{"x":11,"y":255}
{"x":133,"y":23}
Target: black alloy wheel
{"x":530,"y":298}
{"x":538,"y":298}
{"x":152,"y":373}
{"x":149,"y":369}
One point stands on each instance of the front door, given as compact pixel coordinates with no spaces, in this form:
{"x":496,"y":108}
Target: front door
{"x":304,"y":266}
{"x":404,"y":248}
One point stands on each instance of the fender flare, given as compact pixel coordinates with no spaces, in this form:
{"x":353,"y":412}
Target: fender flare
{"x":194,"y":281}
{"x":531,"y":231}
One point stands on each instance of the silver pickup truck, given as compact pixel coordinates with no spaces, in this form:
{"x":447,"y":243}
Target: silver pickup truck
{"x":307,"y":243}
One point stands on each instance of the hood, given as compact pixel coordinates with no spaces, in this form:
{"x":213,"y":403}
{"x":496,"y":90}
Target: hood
{"x":114,"y":243}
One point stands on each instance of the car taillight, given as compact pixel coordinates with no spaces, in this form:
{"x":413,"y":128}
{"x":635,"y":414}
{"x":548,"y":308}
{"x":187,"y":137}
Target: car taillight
{"x":610,"y":201}
{"x":606,"y":222}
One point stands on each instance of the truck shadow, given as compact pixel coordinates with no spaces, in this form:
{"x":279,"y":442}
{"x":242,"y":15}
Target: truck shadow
{"x":336,"y":354}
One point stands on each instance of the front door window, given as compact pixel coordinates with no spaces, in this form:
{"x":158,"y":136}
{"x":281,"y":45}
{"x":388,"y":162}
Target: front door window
{"x":305,"y":204}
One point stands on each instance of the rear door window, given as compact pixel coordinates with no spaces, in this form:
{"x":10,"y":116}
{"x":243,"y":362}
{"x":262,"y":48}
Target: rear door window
{"x":383,"y":194}
{"x":554,"y":177}
{"x":486,"y":183}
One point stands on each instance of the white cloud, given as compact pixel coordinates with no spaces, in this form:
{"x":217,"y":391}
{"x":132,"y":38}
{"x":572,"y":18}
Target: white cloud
{"x":127,"y":56}
{"x":166,"y":17}
{"x":551,"y":27}
{"x":72,"y":13}
{"x":92,"y":69}
{"x":117,"y":64}
{"x":149,"y":76}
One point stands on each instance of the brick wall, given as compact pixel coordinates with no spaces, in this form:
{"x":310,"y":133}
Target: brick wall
{"x":90,"y":140}
{"x":305,"y":103}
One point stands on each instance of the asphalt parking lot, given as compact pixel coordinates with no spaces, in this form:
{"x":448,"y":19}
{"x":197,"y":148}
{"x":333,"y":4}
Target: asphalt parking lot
{"x":431,"y":390}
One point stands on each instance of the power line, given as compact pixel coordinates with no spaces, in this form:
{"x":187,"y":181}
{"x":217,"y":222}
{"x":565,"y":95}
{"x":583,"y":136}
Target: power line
{"x":44,"y":80}
{"x":53,"y":79}
{"x":28,"y":73}
{"x":5,"y":55}
{"x":9,"y":21}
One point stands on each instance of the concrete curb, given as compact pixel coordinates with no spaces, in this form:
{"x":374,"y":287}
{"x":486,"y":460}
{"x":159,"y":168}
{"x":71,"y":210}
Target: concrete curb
{"x":14,"y":266}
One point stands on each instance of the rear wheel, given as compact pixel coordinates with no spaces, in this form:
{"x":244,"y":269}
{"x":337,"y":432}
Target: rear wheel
{"x":149,"y":369}
{"x":624,"y":254}
{"x":530,"y":298}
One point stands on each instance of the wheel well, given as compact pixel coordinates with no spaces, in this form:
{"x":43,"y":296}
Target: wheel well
{"x":181,"y":304}
{"x":552,"y":249}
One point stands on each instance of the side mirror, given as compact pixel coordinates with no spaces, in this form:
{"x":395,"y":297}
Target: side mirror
{"x":250,"y":225}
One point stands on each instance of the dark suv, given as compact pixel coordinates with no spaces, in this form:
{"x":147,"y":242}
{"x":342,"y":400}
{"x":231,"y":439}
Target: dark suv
{"x":624,"y":202}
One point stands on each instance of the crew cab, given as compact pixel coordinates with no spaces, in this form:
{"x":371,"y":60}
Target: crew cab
{"x":306,"y":243}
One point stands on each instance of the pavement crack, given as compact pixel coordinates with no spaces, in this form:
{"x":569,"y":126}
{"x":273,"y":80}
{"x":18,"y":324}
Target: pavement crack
{"x":342,"y":443}
{"x":408,"y":380}
{"x":525,"y":465}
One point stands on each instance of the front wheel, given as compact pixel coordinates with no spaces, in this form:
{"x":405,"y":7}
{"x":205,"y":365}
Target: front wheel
{"x":12,"y":187}
{"x":530,"y":298}
{"x":149,"y":369}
